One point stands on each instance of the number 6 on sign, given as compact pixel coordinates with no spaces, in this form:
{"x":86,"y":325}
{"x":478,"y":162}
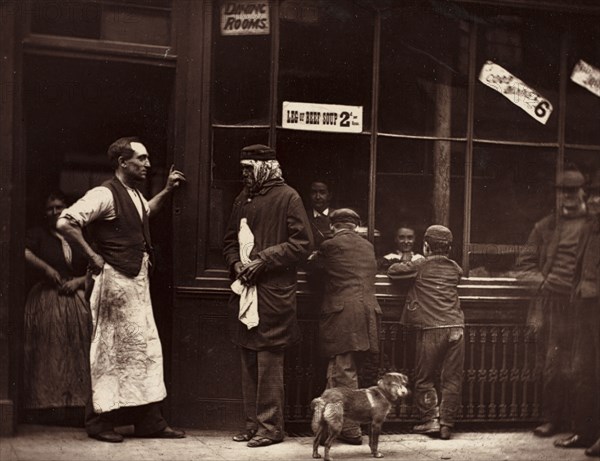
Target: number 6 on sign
{"x":516,"y":91}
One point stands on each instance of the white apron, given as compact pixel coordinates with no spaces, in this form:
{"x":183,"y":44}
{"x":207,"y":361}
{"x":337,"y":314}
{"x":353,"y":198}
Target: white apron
{"x":126,"y":355}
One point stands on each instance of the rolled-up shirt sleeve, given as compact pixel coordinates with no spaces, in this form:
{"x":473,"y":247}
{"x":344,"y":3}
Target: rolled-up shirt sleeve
{"x":97,"y":203}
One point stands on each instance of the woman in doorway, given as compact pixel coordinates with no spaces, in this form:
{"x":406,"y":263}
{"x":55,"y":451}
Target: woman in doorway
{"x":57,"y":325}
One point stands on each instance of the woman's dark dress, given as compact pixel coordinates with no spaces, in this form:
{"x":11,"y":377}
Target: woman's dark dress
{"x":57,"y":332}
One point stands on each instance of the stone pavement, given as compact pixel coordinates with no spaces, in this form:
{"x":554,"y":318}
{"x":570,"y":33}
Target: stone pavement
{"x":51,"y":443}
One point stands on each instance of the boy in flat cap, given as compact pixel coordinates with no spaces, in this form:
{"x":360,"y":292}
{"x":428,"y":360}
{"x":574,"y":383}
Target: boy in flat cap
{"x":349,"y":313}
{"x":548,"y":266}
{"x":269,"y":226}
{"x":433,"y":308}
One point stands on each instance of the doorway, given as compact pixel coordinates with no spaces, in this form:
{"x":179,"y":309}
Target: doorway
{"x":73,"y":110}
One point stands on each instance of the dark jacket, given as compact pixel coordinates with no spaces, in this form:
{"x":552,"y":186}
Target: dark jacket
{"x":122,"y":241}
{"x":282,"y":238}
{"x":537,"y":258}
{"x":348,"y":320}
{"x":588,"y":255}
{"x":320,"y":227}
{"x":432,"y":300}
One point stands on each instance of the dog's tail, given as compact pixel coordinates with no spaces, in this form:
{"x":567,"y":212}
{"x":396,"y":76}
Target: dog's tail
{"x":317,"y":406}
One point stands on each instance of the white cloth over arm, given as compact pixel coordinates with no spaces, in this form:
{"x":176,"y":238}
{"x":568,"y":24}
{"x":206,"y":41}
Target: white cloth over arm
{"x":248,"y":313}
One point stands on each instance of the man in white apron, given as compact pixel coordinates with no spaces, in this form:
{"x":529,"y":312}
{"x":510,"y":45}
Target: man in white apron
{"x":125,"y":355}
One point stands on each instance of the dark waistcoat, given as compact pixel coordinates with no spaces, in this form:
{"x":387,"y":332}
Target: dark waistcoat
{"x":122,"y":241}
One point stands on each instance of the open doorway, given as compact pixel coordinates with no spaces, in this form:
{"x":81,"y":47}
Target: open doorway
{"x":73,"y":110}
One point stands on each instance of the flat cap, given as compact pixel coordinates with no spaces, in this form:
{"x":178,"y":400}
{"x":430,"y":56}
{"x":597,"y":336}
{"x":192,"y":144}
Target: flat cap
{"x":344,"y":215}
{"x":439,"y":232}
{"x":570,"y":179}
{"x":257,"y":152}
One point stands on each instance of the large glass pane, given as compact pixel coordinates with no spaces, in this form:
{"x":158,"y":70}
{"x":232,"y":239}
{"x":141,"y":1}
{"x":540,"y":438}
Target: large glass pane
{"x":587,"y":161}
{"x":424,"y":58}
{"x":528,"y":47}
{"x":241,"y":76}
{"x":326,"y":51}
{"x":583,"y":106}
{"x":513,"y":187}
{"x":405,"y":183}
{"x":226,"y":182}
{"x":339,"y":160}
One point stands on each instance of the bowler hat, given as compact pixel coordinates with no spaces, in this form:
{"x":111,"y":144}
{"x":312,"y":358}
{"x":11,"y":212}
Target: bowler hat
{"x":344,"y":215}
{"x":570,"y":179}
{"x":257,"y":152}
{"x":439,"y":232}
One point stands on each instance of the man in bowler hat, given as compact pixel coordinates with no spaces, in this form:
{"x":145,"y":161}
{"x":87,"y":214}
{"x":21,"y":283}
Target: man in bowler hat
{"x":548,"y":266}
{"x":585,"y":359}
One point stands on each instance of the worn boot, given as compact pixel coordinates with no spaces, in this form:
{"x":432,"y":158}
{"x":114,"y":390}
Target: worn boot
{"x":428,"y":427}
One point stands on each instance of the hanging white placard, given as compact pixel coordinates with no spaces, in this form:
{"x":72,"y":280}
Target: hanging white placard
{"x":516,"y":91}
{"x":587,"y":76}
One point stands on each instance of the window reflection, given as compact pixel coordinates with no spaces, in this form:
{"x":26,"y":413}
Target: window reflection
{"x":405,"y":189}
{"x":529,"y":49}
{"x":340,"y":160}
{"x":513,"y":187}
{"x":424,"y":58}
{"x":583,"y":106}
{"x":325,"y":55}
{"x":241,"y":77}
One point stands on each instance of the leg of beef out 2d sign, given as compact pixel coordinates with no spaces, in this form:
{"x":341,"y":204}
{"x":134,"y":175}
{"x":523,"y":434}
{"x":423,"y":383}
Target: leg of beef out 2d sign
{"x":322,"y":117}
{"x":516,"y":91}
{"x":245,"y":17}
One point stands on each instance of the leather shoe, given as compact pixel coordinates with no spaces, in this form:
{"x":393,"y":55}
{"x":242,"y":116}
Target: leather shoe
{"x":545,"y":430}
{"x":107,"y":436}
{"x":244,"y":436}
{"x":428,"y":427}
{"x":166,"y":433}
{"x":573,"y":441}
{"x":445,"y":433}
{"x":594,"y":450}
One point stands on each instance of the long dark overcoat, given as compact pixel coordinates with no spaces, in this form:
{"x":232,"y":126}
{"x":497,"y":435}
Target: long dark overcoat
{"x":350,"y":311}
{"x":282,"y":238}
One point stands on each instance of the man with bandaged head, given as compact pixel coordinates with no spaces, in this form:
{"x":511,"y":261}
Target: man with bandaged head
{"x":267,"y":236}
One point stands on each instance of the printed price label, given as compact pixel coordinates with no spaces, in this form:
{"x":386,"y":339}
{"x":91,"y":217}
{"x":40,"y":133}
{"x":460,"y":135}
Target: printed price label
{"x":322,"y":117}
{"x":516,"y":91}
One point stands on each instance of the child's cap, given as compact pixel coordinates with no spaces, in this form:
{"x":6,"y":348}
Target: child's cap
{"x":439,"y":232}
{"x":344,"y":215}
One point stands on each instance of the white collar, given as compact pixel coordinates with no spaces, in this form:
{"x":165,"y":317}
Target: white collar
{"x":316,"y":214}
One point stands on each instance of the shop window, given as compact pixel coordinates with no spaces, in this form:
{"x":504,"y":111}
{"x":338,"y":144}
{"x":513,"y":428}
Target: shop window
{"x":325,"y":54}
{"x":129,"y":21}
{"x":423,"y":81}
{"x":587,"y":161}
{"x":583,"y":106}
{"x":513,"y":187}
{"x":241,"y":77}
{"x":405,"y":177}
{"x":226,"y":182}
{"x":529,"y":50}
{"x":340,"y":160}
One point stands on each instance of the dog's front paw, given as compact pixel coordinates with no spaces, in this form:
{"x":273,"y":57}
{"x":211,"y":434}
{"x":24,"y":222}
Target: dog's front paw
{"x":316,"y":455}
{"x":377,"y":454}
